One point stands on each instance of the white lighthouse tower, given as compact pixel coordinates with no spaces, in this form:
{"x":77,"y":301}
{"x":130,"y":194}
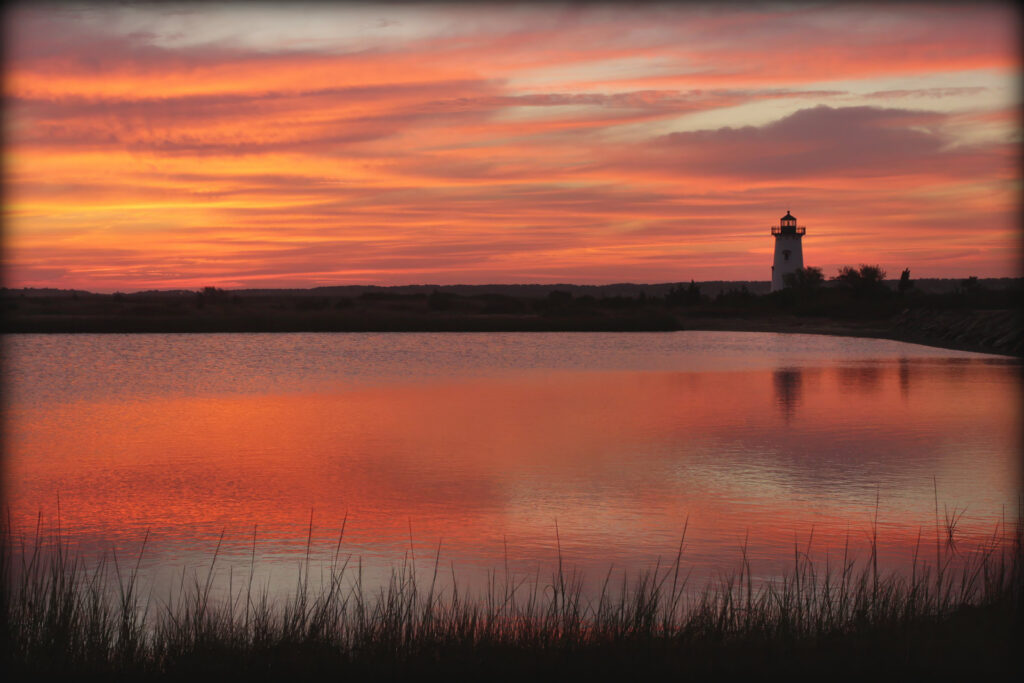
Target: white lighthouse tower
{"x":789,"y":251}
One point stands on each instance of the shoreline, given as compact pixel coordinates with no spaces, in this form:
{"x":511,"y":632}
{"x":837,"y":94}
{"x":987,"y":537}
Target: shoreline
{"x":1001,"y":337}
{"x":848,"y":329}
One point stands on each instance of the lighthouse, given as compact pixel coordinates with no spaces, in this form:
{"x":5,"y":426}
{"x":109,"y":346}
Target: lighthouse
{"x":789,"y":252}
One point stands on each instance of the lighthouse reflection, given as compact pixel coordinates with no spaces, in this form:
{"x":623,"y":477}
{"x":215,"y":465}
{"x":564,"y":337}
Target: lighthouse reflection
{"x":863,"y":378}
{"x":904,"y":372}
{"x":788,"y":384}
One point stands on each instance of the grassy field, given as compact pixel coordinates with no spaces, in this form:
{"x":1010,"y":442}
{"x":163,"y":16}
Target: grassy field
{"x":958,"y":610}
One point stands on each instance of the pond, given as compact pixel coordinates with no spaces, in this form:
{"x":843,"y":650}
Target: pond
{"x":504,"y":451}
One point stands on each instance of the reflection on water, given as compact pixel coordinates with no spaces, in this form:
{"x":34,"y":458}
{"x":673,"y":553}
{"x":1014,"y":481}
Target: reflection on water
{"x":486,"y":442}
{"x":787,"y":390}
{"x":864,"y":378}
{"x":904,"y":369}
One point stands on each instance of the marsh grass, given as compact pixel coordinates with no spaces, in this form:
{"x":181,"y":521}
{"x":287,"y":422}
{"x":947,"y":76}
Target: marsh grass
{"x":962,"y":612}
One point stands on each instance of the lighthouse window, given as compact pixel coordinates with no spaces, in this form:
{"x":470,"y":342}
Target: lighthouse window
{"x":785,"y":254}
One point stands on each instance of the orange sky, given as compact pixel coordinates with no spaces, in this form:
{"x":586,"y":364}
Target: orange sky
{"x":166,"y":146}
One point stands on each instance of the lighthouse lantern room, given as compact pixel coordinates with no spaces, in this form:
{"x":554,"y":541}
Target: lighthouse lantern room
{"x":789,"y":253}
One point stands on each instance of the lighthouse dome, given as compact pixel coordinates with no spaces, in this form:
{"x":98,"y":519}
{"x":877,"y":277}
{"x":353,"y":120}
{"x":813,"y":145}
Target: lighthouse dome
{"x":788,"y":217}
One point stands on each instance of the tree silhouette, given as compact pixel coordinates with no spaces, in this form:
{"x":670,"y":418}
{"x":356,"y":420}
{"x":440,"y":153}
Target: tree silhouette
{"x":677,"y":296}
{"x":971,"y":284}
{"x":864,"y":281}
{"x":871,"y":275}
{"x":905,"y":283}
{"x":804,"y":278}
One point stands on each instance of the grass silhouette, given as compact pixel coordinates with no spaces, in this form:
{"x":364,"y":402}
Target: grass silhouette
{"x":962,"y":613}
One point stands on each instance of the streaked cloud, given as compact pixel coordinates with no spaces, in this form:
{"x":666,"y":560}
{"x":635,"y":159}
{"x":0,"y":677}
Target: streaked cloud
{"x":178,"y":146}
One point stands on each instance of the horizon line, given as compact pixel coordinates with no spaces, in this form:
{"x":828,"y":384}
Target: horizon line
{"x":438,"y":285}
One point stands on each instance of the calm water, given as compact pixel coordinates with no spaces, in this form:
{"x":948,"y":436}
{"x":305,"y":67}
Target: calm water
{"x":482,"y":443}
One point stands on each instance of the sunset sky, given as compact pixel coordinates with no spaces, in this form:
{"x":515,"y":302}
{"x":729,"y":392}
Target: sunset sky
{"x":161,"y":146}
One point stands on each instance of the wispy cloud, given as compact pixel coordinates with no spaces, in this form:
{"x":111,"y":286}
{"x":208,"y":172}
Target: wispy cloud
{"x":175,"y":147}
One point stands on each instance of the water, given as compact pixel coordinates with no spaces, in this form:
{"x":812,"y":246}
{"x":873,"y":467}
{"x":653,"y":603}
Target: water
{"x":502,"y":448}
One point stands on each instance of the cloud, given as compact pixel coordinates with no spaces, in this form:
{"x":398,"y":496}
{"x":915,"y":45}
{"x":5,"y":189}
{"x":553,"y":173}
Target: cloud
{"x":503,"y":144}
{"x":927,"y":92}
{"x":822,"y":141}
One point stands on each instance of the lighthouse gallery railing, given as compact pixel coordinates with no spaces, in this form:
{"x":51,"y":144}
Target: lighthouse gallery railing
{"x":788,"y":230}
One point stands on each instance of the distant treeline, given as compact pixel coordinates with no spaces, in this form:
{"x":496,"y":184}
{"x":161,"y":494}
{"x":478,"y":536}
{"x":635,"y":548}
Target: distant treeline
{"x":852,"y":293}
{"x":976,"y":314}
{"x":710,"y":288}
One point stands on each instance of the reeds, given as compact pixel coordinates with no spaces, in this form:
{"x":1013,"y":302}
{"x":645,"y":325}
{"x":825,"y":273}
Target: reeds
{"x":61,"y":616}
